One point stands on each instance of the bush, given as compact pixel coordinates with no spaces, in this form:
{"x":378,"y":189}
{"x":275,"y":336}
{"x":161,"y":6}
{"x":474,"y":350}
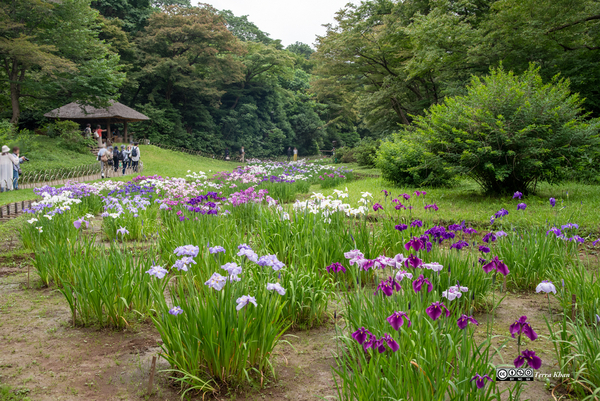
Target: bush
{"x":403,"y":161}
{"x":365,"y":152}
{"x":345,"y":155}
{"x":70,"y":136}
{"x":509,"y":132}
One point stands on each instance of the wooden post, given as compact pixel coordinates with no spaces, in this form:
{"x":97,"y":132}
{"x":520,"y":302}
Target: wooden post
{"x":125,"y":138}
{"x":573,"y":306}
{"x":109,"y":134}
{"x":151,"y":381}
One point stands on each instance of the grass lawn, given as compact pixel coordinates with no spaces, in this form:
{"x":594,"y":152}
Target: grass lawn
{"x":176,"y":164}
{"x":575,"y":203}
{"x":46,"y":154}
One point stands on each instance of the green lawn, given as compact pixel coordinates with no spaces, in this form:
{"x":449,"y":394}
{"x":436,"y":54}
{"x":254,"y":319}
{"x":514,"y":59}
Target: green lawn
{"x":46,"y":154}
{"x":168,"y":163}
{"x":466,"y":202}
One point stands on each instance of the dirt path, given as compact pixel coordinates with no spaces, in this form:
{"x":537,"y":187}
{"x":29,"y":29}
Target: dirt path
{"x":42,"y":356}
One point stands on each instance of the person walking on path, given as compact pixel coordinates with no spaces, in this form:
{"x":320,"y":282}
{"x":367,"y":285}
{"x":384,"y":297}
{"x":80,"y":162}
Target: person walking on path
{"x":117,"y":156}
{"x":87,"y":132}
{"x":17,"y":160}
{"x":135,"y":157}
{"x":98,"y":135}
{"x":289,"y":153}
{"x":103,"y":159}
{"x":242,"y":154}
{"x":295,"y":154}
{"x":125,"y":153}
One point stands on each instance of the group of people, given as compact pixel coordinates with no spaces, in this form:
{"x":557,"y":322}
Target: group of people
{"x":10,"y":168}
{"x":126,"y":157}
{"x":289,"y":153}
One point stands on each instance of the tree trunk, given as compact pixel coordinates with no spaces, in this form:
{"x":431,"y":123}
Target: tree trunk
{"x":14,"y":100}
{"x":15,"y":77}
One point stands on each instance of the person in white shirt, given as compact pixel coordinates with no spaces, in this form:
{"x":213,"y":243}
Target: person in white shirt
{"x":103,"y":159}
{"x":135,"y":156}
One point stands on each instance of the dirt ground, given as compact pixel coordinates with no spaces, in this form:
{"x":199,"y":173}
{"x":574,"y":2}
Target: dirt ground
{"x":44,"y":358}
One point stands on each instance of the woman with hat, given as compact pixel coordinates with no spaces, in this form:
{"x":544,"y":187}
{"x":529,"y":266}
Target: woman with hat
{"x":7,"y":164}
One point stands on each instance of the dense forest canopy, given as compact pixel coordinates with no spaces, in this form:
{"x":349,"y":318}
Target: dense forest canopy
{"x":211,"y":80}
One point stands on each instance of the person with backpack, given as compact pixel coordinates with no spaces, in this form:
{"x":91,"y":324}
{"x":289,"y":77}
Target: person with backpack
{"x":125,"y":153}
{"x":87,"y":132}
{"x":135,"y":156}
{"x":103,"y":159}
{"x":117,"y":157}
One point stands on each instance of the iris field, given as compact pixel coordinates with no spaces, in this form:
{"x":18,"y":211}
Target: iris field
{"x":223,"y":265}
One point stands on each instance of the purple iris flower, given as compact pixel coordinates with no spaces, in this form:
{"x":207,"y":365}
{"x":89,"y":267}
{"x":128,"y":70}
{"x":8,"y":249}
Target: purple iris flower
{"x":406,"y":196}
{"x":397,"y":320}
{"x":390,"y":342}
{"x":469,"y":230}
{"x":216,"y":249}
{"x":498,"y":265}
{"x":187,"y":250}
{"x":388,"y":286}
{"x":401,"y":227}
{"x":482,"y":261}
{"x":360,"y":335}
{"x":418,"y":284}
{"x":501,"y":213}
{"x":484,"y":249}
{"x":552,"y":202}
{"x":122,"y":231}
{"x":434,"y":207}
{"x":157,"y":271}
{"x":521,"y":206}
{"x":455,"y":227}
{"x":413,"y":261}
{"x":245,"y":300}
{"x":415,"y":243}
{"x":532,"y":360}
{"x":489,"y":237}
{"x":570,"y":225}
{"x":176,"y":310}
{"x":435,"y":310}
{"x":459,"y":245}
{"x":595,"y":242}
{"x":521,"y":325}
{"x":377,"y":206}
{"x":416,"y":223}
{"x":385,"y":192}
{"x":336,"y":267}
{"x":555,"y":231}
{"x":79,"y":222}
{"x":517,"y":195}
{"x":464,"y":320}
{"x":480,"y":380}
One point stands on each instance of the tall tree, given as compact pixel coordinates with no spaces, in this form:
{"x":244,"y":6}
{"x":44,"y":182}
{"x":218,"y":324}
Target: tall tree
{"x":50,"y":49}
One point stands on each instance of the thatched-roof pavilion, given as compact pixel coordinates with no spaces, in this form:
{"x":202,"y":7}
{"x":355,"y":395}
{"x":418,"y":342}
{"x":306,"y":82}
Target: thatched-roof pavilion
{"x":115,"y":113}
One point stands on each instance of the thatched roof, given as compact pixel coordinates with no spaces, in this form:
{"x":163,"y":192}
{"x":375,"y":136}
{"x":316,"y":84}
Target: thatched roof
{"x":116,"y":112}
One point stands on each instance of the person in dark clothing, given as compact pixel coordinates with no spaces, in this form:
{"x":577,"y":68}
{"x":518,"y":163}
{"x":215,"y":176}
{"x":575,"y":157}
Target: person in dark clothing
{"x":117,"y":156}
{"x":226,"y":153}
{"x":289,"y":153}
